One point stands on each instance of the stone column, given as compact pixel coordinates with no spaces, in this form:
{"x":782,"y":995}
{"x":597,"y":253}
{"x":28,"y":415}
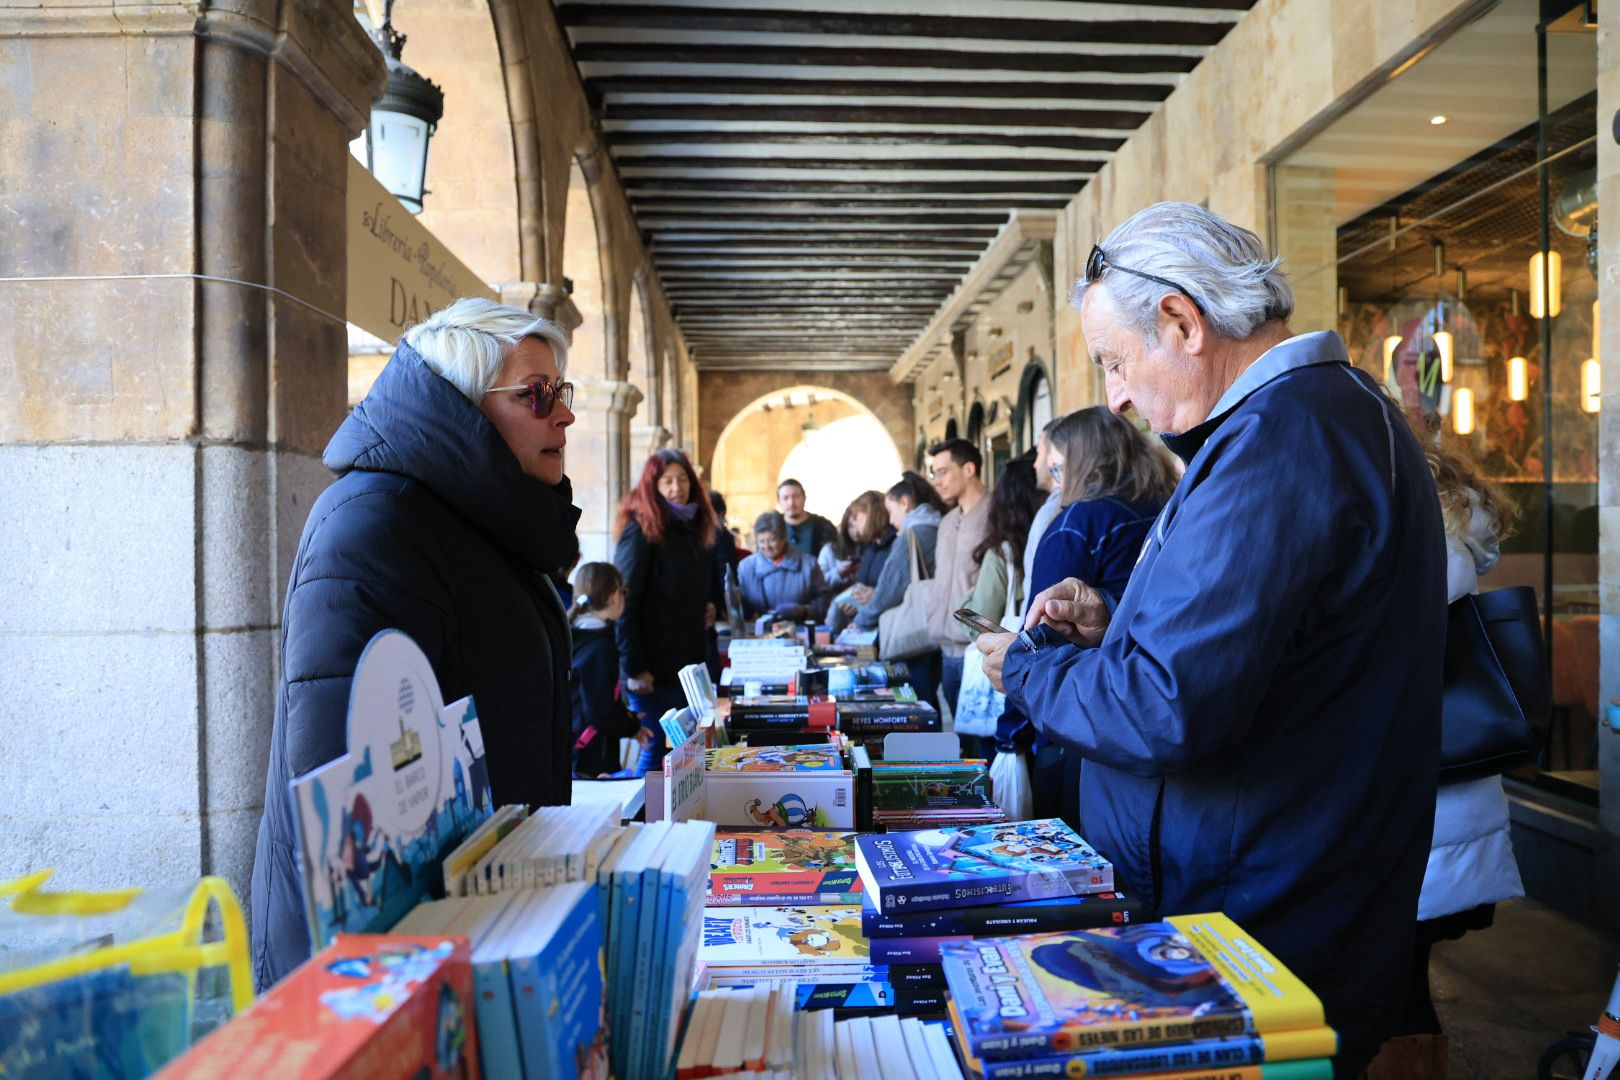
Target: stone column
{"x":647,"y":439}
{"x":172,"y":265}
{"x":600,"y":462}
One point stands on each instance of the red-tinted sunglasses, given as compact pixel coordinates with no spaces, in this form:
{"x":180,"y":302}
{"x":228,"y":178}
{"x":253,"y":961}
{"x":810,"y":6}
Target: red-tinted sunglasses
{"x":542,"y":396}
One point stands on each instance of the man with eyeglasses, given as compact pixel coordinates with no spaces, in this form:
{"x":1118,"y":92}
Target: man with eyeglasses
{"x":1260,"y":714}
{"x":954,"y":467}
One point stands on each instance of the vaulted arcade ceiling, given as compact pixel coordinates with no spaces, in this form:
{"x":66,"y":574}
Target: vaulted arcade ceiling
{"x":814,"y":177}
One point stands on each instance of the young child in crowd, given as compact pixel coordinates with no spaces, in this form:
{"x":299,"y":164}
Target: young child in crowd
{"x":600,"y":718}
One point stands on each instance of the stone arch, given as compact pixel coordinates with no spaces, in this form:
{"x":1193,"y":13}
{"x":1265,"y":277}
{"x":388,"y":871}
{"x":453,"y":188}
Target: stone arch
{"x":640,"y":358}
{"x":754,"y":445}
{"x":584,"y":273}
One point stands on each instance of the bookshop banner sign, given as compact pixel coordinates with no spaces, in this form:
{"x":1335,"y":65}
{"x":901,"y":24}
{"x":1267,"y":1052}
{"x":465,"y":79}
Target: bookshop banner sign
{"x":399,"y":273}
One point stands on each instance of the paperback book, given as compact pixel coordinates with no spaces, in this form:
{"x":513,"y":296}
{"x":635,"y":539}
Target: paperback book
{"x":822,"y":934}
{"x":979,"y":864}
{"x":1191,"y":977}
{"x":809,"y":760}
{"x":996,"y":920}
{"x":783,"y":868}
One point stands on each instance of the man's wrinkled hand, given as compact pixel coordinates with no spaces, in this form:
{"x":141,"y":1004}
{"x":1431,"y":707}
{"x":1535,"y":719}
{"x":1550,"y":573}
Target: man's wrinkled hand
{"x":1072,"y":608}
{"x":994,"y":647}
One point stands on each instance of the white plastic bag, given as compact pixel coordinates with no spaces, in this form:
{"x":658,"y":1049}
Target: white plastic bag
{"x":1010,"y":785}
{"x":978,"y":705}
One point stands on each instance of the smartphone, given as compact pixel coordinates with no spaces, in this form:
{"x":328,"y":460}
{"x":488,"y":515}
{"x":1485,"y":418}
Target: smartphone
{"x":978,"y":623}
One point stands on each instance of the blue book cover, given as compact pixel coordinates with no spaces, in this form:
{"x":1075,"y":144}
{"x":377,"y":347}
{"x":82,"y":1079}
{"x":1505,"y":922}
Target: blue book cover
{"x":655,"y":939}
{"x":975,"y":865}
{"x":534,"y":985}
{"x":625,"y":937}
{"x":498,"y":1048}
{"x":102,"y":1023}
{"x":580,"y":1021}
{"x":999,"y":920}
{"x":374,"y":826}
{"x":911,"y":950}
{"x":688,"y":867}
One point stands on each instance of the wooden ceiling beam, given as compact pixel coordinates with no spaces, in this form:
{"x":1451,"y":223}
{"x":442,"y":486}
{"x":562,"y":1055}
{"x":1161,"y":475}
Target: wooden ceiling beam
{"x":630,"y":165}
{"x":706,"y":54}
{"x":576,"y":14}
{"x":1097,"y":143}
{"x":874,"y":87}
{"x":877,"y":113}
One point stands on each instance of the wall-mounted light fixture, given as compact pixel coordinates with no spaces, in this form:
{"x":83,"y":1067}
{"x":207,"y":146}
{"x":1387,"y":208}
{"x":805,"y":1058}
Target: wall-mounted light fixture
{"x":1591,"y":385}
{"x":394,"y":147}
{"x":1546,"y":285}
{"x":1462,"y":410}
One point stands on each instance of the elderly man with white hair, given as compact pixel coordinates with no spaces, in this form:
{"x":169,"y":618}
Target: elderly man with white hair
{"x":1260,"y":714}
{"x":448,"y":518}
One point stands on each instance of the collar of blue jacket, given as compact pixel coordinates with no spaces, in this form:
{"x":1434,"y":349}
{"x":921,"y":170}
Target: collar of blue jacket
{"x":414,"y":423}
{"x":1301,"y":350}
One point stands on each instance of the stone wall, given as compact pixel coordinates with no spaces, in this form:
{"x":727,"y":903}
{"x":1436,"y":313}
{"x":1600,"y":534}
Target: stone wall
{"x":159,"y":432}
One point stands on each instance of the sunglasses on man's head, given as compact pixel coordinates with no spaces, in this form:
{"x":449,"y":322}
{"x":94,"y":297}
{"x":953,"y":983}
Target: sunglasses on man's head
{"x":542,"y":396}
{"x":1097,"y":262}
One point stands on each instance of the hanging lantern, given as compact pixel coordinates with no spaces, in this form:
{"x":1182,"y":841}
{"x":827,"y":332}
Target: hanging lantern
{"x":1462,"y":410}
{"x":1447,"y":348}
{"x":1591,"y":385}
{"x":1391,"y":343}
{"x":394,"y":147}
{"x":1518,"y":378}
{"x":1546,"y":285}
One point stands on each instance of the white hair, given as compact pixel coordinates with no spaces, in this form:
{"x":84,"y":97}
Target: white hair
{"x":1222,"y":267}
{"x":468,"y":341}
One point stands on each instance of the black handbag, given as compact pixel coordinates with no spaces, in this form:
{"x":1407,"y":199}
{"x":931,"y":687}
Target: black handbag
{"x":1497,"y":700}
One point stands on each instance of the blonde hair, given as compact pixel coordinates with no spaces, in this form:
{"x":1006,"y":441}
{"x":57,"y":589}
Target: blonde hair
{"x":468,"y":341}
{"x":1458,"y":480}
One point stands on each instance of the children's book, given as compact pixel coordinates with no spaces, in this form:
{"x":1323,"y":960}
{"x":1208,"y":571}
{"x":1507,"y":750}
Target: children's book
{"x":979,"y":864}
{"x":390,"y":1007}
{"x":1150,"y":1061}
{"x":776,"y":800}
{"x":1190,"y":977}
{"x":993,"y":920}
{"x":766,"y":869}
{"x":555,"y":950}
{"x":375,"y":825}
{"x":99,"y":1023}
{"x":723,"y":760}
{"x":827,"y":934}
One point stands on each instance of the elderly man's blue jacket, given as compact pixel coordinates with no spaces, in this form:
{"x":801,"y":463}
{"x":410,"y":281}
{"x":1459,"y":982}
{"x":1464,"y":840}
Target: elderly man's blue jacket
{"x":1260,"y":725}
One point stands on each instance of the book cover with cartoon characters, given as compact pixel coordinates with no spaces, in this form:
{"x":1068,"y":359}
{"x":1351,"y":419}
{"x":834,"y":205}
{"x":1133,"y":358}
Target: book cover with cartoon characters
{"x":775,"y":759}
{"x":392,"y":1007}
{"x":978,"y":864}
{"x":776,"y":800}
{"x":1187,"y":978}
{"x":374,"y":826}
{"x":822,"y":934}
{"x":796,"y":866}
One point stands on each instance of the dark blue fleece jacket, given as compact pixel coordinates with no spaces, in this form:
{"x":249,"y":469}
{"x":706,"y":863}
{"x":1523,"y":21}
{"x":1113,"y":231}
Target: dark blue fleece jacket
{"x":1260,"y":725}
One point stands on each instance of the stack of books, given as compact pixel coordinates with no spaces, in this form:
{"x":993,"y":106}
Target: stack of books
{"x":779,"y":787}
{"x":862,"y":717}
{"x":537,"y":972}
{"x":930,"y":888}
{"x":893,"y":795}
{"x":757,"y":665}
{"x":756,"y":1032}
{"x":1188,"y":998}
{"x":645,"y":885}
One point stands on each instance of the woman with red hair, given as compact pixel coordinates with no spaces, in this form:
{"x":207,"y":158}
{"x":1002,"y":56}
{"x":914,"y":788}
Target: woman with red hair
{"x":666,"y":528}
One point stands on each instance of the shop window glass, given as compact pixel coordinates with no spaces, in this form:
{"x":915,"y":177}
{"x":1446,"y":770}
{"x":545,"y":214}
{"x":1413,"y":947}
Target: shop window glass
{"x":1446,"y":227}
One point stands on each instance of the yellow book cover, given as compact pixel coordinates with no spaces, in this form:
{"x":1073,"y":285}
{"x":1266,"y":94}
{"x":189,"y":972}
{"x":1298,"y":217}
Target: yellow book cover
{"x":1276,"y":998}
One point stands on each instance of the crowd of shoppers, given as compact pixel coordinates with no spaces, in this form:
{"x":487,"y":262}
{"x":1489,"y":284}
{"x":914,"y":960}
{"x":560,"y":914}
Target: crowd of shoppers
{"x":1228,"y":671}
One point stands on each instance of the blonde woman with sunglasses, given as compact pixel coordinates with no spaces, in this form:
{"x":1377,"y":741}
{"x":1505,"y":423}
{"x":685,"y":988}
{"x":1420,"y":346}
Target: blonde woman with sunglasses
{"x":450,"y":514}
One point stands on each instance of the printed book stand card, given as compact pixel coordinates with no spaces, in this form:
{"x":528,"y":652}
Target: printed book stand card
{"x":375,"y":825}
